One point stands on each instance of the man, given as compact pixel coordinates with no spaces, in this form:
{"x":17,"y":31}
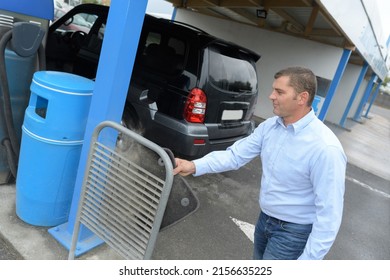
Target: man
{"x":303,"y":179}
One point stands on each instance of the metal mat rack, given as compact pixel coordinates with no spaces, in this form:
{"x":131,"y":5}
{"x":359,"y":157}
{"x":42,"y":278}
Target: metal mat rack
{"x":122,"y":202}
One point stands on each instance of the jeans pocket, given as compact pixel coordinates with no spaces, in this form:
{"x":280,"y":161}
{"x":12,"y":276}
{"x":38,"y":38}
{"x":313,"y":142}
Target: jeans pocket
{"x":301,"y":231}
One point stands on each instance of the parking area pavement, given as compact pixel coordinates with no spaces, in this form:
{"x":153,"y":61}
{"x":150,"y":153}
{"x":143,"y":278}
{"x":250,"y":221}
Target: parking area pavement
{"x":211,"y":232}
{"x":221,"y":227}
{"x":214,"y":233}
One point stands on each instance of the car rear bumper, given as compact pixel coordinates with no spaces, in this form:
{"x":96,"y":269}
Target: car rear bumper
{"x":192,"y":140}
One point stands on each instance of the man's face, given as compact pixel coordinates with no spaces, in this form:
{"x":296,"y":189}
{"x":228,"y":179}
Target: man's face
{"x":284,"y":98}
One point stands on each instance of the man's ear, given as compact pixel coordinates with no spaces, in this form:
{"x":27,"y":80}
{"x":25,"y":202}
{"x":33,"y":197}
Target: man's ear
{"x":303,"y":97}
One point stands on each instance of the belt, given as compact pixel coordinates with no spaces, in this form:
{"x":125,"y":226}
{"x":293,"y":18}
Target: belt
{"x":274,"y":219}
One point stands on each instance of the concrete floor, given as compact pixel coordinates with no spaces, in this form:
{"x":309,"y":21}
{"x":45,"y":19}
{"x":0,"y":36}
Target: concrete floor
{"x":211,"y":233}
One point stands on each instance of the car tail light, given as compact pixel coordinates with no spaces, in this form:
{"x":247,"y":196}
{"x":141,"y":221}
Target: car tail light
{"x":199,"y":141}
{"x":195,"y":108}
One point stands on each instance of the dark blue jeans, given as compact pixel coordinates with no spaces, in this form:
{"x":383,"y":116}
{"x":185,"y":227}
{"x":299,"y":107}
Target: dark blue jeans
{"x":279,"y":240}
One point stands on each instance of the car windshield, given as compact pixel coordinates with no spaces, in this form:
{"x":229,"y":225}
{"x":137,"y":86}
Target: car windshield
{"x":231,"y":71}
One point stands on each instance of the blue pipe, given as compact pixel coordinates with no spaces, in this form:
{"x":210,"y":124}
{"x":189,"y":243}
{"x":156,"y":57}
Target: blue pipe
{"x":354,"y":93}
{"x":335,"y":82}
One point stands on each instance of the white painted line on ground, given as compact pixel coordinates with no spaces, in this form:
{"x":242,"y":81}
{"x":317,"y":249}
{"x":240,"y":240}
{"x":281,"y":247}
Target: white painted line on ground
{"x":386,"y":195}
{"x":247,"y":228}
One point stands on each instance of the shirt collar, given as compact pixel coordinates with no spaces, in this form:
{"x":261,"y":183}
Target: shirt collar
{"x":300,"y":124}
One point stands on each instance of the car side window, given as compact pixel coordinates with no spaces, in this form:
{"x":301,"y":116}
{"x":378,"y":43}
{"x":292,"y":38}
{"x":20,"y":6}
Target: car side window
{"x":153,"y":38}
{"x":163,"y":54}
{"x":178,"y":45}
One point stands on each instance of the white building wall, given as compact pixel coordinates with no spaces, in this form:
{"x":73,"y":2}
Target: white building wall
{"x":276,"y":49}
{"x":343,"y":94}
{"x":359,"y":97}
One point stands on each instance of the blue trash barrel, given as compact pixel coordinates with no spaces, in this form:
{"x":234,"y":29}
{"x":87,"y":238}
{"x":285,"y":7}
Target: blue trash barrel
{"x":52,"y":137}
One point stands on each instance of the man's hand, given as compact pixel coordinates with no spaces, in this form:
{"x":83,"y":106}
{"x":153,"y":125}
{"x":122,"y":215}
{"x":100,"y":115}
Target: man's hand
{"x":184,"y":167}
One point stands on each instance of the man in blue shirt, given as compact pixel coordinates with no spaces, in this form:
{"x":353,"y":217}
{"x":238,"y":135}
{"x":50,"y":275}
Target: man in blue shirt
{"x":303,"y":180}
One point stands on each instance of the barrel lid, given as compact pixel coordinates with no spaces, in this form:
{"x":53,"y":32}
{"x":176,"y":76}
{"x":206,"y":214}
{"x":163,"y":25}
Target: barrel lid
{"x":64,"y":82}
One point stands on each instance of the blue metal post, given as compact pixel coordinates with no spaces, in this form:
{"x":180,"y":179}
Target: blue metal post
{"x":364,"y":99}
{"x":335,"y":83}
{"x":174,"y":13}
{"x":354,"y":93}
{"x":36,"y":8}
{"x":373,"y":99}
{"x":119,"y":48}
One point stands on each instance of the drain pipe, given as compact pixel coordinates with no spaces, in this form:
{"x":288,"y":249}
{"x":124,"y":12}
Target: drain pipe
{"x":25,"y":40}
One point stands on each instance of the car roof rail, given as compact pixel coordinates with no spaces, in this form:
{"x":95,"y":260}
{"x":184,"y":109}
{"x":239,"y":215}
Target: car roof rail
{"x":182,"y":24}
{"x":190,"y":26}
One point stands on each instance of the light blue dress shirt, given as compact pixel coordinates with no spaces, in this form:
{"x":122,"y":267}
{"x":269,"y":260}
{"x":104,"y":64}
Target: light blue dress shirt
{"x":303,"y":179}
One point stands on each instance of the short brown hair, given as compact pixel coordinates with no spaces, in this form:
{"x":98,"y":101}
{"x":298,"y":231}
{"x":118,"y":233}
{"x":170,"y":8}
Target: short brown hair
{"x":301,"y":79}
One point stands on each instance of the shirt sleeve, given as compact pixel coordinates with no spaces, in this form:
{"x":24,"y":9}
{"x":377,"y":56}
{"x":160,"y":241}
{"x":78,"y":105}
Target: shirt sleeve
{"x":235,"y":156}
{"x":328,"y":179}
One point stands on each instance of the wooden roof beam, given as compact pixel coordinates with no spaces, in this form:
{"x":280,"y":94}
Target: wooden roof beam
{"x":216,"y":3}
{"x":289,"y":18}
{"x":312,"y":19}
{"x":285,"y":3}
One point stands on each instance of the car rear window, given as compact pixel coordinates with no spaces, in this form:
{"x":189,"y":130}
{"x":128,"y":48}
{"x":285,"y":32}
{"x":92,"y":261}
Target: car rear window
{"x":231,"y":70}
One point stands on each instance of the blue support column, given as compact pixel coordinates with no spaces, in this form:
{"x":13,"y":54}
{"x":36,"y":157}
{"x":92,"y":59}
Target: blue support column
{"x":373,"y":99}
{"x":364,"y":99}
{"x":335,"y":83}
{"x":174,"y":13}
{"x":119,"y":48}
{"x":354,"y":93}
{"x":36,"y":8}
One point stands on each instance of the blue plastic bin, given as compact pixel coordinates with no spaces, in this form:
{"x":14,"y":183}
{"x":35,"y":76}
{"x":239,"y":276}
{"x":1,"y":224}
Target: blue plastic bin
{"x":52,"y":137}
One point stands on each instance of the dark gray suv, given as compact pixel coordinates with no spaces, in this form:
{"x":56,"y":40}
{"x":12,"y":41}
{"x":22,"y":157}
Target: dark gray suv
{"x":190,"y":92}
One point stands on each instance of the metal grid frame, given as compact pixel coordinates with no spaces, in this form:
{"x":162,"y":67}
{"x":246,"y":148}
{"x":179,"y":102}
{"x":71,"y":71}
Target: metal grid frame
{"x":121,"y":202}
